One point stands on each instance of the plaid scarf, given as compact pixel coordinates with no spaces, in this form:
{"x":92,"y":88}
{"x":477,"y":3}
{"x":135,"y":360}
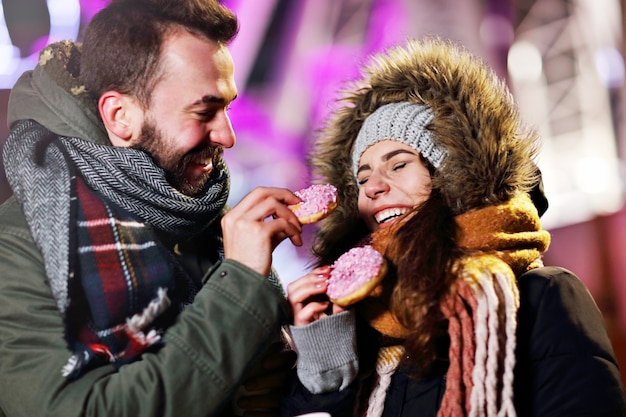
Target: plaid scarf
{"x":126,"y":278}
{"x":94,"y":211}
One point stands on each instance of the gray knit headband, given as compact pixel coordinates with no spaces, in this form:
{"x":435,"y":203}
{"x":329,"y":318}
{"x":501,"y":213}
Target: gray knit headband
{"x":405,"y":122}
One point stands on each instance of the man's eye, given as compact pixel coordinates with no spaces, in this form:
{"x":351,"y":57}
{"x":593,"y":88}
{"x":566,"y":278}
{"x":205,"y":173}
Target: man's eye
{"x":399,"y":166}
{"x":362,"y":181}
{"x":206,"y":115}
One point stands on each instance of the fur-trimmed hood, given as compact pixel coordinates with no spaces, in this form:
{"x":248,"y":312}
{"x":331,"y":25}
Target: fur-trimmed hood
{"x":490,"y":151}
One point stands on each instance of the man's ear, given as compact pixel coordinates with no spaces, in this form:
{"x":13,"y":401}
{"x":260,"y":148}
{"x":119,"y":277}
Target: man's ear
{"x":120,"y":114}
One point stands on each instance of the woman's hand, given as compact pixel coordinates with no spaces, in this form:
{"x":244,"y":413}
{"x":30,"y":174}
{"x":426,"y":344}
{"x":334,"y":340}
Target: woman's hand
{"x":307,"y":296}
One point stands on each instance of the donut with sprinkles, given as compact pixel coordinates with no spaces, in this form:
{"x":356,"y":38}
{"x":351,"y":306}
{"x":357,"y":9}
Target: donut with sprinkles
{"x":318,"y":201}
{"x":355,"y":274}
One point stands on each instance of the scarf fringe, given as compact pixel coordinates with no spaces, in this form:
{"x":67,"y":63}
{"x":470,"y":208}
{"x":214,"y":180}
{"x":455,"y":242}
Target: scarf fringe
{"x":483,"y":308}
{"x":386,"y":364}
{"x":137,"y":323}
{"x":134,"y":329}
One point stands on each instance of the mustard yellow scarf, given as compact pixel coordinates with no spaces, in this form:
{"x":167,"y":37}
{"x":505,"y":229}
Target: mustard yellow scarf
{"x":506,"y":241}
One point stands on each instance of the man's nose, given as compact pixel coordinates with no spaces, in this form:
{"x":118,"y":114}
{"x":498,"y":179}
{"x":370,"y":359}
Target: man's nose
{"x":222,"y":132}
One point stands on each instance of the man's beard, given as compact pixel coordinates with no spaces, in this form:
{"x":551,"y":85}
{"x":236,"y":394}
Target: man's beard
{"x":160,"y":148}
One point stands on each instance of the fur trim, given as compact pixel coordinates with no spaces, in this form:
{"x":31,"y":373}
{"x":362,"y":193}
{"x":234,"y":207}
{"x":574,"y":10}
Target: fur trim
{"x":61,"y":62}
{"x":490,"y":152}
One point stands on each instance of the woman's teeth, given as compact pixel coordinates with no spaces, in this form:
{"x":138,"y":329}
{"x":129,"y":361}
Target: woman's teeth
{"x":389,"y":214}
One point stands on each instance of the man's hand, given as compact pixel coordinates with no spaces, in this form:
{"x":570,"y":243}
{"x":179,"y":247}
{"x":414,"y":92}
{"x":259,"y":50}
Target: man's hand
{"x":261,"y":392}
{"x":257,"y":224}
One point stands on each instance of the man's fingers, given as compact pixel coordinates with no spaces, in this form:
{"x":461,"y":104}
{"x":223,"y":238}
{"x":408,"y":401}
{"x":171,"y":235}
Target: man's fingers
{"x":254,"y":227}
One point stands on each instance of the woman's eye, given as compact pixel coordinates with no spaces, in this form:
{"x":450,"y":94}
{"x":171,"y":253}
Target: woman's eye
{"x":362,"y":181}
{"x":399,"y":166}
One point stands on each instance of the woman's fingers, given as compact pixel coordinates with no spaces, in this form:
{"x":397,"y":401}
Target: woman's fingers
{"x":307,"y":296}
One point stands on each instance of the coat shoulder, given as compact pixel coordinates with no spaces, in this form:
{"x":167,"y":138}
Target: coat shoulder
{"x":565,"y":360}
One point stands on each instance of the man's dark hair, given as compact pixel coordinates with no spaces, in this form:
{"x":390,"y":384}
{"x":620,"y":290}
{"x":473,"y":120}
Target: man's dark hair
{"x":122,"y":44}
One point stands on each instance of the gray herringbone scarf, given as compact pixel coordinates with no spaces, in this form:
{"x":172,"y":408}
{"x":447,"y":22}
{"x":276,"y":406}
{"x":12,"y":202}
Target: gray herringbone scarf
{"x":38,"y":170}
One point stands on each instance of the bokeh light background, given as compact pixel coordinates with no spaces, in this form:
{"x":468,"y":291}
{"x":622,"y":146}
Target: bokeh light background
{"x":563,"y":60}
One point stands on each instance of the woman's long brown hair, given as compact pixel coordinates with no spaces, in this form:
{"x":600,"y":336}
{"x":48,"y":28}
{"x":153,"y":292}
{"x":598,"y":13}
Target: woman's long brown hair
{"x":423,"y":251}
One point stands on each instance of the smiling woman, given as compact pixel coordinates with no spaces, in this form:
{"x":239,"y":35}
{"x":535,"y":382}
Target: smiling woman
{"x":392,"y":180}
{"x":435,"y":168}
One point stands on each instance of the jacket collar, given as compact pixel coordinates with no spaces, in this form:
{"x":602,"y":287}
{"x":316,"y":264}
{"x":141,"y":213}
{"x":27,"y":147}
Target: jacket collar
{"x":53,"y":97}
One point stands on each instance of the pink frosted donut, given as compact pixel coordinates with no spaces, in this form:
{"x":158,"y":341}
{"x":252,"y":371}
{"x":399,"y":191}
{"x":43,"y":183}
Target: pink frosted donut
{"x":354,"y":274}
{"x":318,"y":201}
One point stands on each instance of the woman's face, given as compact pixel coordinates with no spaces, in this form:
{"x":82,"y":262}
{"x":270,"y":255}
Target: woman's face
{"x":392,"y":180}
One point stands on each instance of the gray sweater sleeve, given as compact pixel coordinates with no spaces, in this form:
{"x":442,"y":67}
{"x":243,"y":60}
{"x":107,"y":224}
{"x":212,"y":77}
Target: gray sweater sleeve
{"x":327,"y":355}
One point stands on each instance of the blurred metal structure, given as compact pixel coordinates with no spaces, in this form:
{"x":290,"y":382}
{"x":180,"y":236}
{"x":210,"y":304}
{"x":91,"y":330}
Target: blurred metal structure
{"x":561,"y":72}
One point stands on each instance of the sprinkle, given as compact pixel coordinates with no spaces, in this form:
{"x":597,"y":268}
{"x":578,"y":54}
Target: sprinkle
{"x":315,"y":199}
{"x":352,"y":270}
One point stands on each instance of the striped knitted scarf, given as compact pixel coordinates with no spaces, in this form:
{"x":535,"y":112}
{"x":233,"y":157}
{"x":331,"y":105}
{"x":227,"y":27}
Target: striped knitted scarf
{"x":94,"y":211}
{"x":481,"y":311}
